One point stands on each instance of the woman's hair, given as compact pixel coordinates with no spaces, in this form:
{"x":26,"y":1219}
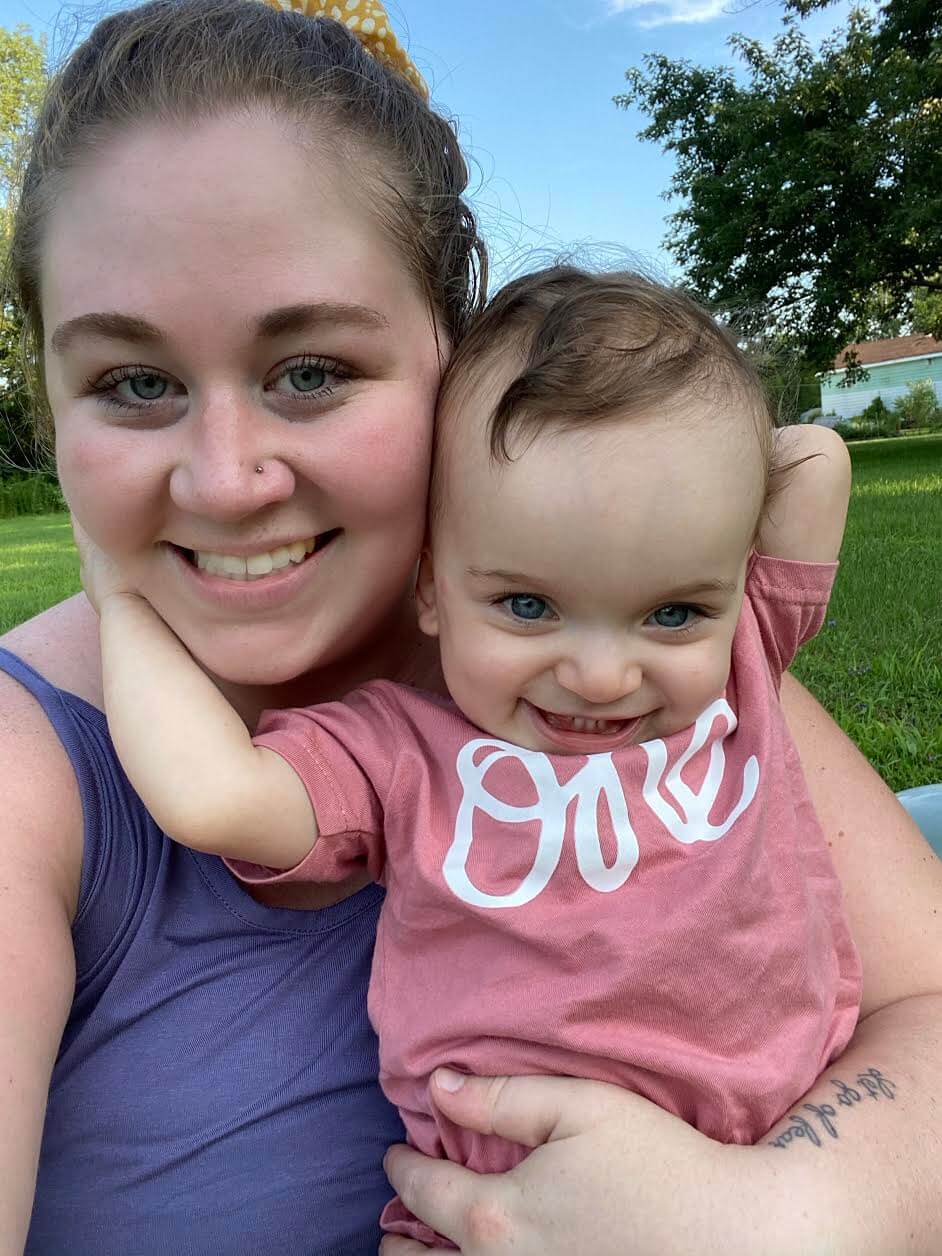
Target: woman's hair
{"x":577,"y":348}
{"x":177,"y":61}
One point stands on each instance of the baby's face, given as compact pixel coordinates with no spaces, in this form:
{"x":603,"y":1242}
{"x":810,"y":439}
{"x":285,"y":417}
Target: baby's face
{"x":586,"y":594}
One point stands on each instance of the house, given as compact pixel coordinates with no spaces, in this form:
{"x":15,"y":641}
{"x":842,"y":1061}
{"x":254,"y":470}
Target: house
{"x":891,"y":365}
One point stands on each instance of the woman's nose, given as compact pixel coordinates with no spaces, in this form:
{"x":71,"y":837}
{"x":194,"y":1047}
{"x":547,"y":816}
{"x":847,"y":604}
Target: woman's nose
{"x":599,"y":676}
{"x":228,"y":469}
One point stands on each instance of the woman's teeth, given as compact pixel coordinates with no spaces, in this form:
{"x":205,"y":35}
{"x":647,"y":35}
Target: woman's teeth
{"x":234,"y":567}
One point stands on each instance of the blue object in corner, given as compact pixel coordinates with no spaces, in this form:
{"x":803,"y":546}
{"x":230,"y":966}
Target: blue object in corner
{"x":924,"y":804}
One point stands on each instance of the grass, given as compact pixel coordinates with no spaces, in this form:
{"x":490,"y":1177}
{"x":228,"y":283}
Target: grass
{"x":38,"y":566}
{"x":876,"y":666}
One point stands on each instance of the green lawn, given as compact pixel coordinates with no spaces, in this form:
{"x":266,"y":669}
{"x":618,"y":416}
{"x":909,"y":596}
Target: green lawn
{"x":38,"y":566}
{"x":876,"y":666}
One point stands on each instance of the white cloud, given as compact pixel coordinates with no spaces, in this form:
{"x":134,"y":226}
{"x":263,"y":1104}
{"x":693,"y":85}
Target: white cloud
{"x":670,"y":12}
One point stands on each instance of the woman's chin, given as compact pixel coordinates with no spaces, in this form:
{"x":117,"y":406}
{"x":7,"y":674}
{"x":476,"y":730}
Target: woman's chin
{"x":253,"y":658}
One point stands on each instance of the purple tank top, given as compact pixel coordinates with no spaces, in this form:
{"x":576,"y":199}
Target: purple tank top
{"x":215,"y":1090}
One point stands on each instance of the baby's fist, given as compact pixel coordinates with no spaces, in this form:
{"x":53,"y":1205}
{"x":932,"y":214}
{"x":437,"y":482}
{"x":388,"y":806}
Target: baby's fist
{"x":102,"y":576}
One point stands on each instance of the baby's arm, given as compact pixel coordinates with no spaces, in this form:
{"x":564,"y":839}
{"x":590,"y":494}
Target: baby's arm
{"x":187,"y":752}
{"x":807,"y":508}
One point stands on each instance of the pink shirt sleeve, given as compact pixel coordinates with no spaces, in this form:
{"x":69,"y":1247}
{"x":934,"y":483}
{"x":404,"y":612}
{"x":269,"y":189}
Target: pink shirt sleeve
{"x":343,"y":753}
{"x":789,"y":600}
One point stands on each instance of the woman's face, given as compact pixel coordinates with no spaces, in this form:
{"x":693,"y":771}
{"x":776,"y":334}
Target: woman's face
{"x":241,"y":372}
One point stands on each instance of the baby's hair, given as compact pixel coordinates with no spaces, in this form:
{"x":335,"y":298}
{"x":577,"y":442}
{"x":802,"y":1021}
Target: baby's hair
{"x":177,"y":61}
{"x":582,"y":348}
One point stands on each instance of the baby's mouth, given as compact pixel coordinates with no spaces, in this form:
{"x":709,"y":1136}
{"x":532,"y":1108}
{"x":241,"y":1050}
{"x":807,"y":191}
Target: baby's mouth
{"x":582,"y":724}
{"x":586,"y":734}
{"x":257,"y":566}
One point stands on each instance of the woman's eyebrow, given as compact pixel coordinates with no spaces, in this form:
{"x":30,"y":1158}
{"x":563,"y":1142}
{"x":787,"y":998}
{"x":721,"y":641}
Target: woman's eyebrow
{"x":109,"y":325}
{"x":285,"y":320}
{"x":298,"y":318}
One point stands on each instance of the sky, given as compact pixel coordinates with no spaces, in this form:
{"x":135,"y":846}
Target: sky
{"x":556,"y":166}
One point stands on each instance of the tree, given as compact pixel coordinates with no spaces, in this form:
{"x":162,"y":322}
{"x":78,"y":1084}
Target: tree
{"x":927,"y":312}
{"x":22,"y":81}
{"x":808,"y":185}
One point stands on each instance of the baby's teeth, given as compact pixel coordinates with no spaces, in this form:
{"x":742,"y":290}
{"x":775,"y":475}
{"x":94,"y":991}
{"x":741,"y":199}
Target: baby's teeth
{"x":297,"y":550}
{"x":259,"y":564}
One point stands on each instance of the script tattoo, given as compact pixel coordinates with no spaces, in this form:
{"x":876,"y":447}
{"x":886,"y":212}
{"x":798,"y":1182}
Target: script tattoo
{"x":822,"y":1122}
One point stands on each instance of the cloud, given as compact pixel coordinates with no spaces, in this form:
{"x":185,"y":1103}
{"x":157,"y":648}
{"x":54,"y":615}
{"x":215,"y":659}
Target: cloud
{"x":671,"y":12}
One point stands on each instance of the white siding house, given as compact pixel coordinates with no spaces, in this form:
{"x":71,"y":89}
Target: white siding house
{"x":892,"y":365}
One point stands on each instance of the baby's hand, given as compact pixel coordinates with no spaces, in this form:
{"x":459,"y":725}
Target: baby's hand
{"x":102,"y":576}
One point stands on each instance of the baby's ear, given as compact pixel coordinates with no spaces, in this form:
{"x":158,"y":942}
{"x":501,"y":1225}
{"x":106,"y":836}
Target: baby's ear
{"x":425,"y":601}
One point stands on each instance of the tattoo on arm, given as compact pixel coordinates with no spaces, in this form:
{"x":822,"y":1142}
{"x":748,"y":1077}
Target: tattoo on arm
{"x":823,"y":1117}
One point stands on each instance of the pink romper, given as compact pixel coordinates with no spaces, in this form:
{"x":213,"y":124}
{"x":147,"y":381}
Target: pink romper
{"x":665,"y":917}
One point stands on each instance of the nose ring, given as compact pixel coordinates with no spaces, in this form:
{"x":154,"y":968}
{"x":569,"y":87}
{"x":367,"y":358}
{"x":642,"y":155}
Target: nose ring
{"x":259,"y":468}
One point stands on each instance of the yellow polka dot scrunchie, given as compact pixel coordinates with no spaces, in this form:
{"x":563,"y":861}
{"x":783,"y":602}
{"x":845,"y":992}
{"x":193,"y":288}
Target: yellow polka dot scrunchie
{"x":368,"y":21}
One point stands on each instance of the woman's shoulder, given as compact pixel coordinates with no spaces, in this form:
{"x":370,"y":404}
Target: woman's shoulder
{"x":42,"y":804}
{"x":61,"y":644}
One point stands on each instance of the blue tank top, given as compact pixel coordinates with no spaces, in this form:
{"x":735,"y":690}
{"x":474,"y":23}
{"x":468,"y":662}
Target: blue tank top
{"x":215,"y":1090}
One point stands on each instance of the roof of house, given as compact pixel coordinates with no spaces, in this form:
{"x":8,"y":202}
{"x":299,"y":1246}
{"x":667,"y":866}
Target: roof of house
{"x":870,"y":352}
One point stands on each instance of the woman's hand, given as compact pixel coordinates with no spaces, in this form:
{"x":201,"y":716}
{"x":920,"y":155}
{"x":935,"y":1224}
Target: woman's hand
{"x":612,"y":1175}
{"x":102,"y":576}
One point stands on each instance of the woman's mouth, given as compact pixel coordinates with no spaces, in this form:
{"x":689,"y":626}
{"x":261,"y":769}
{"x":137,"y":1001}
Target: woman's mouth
{"x":250,"y":567}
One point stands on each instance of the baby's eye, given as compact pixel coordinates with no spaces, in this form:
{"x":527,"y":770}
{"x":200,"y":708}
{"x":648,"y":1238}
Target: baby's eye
{"x":527,"y":606}
{"x":674,"y":615}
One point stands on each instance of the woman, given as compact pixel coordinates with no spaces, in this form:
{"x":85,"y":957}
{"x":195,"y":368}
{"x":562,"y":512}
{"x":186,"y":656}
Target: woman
{"x":243,"y":245}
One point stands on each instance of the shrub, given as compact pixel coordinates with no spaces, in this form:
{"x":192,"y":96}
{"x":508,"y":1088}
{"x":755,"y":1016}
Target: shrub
{"x":29,"y":495}
{"x":919,"y":406}
{"x":878,"y":419}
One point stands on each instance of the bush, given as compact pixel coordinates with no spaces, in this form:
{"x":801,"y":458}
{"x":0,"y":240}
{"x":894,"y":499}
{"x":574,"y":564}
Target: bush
{"x":878,"y":419}
{"x":919,"y":406}
{"x":854,"y":431}
{"x":29,"y":495}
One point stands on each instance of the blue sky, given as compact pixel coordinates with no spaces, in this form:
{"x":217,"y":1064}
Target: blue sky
{"x":531,"y":82}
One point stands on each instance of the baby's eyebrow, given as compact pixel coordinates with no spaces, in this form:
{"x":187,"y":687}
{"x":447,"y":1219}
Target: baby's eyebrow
{"x":505,"y":577}
{"x":697,"y":589}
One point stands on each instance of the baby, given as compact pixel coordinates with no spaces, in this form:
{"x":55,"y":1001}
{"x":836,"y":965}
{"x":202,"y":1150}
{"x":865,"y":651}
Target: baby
{"x":600,"y":855}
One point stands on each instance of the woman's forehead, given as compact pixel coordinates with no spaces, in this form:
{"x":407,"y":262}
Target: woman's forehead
{"x":231,"y":208}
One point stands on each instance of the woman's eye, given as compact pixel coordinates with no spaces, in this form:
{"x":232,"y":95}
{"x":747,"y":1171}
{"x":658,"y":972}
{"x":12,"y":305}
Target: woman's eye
{"x":526,"y":606}
{"x":142,"y":388}
{"x":674,"y":615}
{"x":135,"y":389}
{"x":305,"y":378}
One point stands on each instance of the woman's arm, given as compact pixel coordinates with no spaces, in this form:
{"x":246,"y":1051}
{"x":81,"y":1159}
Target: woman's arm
{"x":40,"y":855}
{"x":613,"y":1174}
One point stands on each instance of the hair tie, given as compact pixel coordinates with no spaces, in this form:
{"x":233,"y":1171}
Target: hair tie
{"x":368,"y":21}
